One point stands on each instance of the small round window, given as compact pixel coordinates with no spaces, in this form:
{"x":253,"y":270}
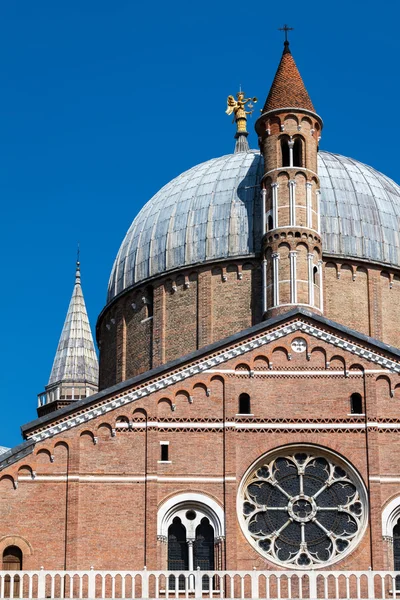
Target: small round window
{"x":302,"y":507}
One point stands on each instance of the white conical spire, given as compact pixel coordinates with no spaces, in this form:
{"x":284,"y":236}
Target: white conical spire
{"x":75,"y":360}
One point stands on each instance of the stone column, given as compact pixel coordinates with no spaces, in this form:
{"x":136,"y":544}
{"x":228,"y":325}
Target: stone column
{"x":292,"y":202}
{"x":275,"y":187}
{"x":190,"y":542}
{"x":263,"y":211}
{"x":321,"y":290}
{"x":308,"y":204}
{"x":310,"y":259}
{"x":264,"y":286}
{"x":275,"y":271}
{"x":291,"y":144}
{"x":293,"y":279}
{"x":318,"y":193}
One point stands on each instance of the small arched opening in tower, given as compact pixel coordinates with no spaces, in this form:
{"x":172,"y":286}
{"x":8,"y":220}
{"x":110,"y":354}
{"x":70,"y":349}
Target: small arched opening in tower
{"x":298,"y":152}
{"x":149,"y":302}
{"x":315,"y":275}
{"x":270,"y":223}
{"x":244,"y":404}
{"x":285,"y":154}
{"x":356,"y":404}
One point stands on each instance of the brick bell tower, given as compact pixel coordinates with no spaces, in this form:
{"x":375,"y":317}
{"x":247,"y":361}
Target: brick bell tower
{"x":289,"y":131}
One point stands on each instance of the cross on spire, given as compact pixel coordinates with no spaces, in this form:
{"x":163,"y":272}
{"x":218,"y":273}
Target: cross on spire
{"x":286,"y":28}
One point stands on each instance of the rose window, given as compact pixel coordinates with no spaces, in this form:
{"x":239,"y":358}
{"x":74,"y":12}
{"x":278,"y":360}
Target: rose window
{"x":303,"y":508}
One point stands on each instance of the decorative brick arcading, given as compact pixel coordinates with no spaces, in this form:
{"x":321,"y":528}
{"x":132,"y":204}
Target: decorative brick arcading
{"x":288,"y":89}
{"x":211,"y":362}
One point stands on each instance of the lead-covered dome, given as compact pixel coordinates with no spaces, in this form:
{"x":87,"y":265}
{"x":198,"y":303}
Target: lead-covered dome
{"x":211,"y":212}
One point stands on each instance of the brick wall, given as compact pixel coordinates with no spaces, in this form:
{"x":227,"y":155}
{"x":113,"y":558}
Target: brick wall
{"x":189,"y":312}
{"x":108,"y":511}
{"x":200,"y":307}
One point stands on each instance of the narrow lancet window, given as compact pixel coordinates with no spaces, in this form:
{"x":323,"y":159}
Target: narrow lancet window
{"x":285,"y":152}
{"x":298,"y":153}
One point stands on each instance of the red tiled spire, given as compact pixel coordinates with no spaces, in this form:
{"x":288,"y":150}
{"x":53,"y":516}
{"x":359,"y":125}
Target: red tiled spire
{"x":287,"y":89}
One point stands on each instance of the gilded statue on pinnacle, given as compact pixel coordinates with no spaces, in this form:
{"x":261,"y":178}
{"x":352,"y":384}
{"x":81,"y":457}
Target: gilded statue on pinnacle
{"x":238,"y":108}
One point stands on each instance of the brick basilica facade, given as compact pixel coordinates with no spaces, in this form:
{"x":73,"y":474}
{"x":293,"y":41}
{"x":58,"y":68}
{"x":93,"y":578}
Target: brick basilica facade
{"x":246,"y":411}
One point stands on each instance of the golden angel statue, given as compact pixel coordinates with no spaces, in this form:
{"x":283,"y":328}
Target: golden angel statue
{"x":238,"y":108}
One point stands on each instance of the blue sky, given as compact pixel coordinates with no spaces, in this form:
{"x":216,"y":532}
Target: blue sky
{"x":104,"y":102}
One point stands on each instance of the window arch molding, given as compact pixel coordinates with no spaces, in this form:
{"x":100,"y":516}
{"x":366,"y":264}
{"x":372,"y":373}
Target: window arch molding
{"x":390,"y":516}
{"x":16,"y":540}
{"x":206,"y":506}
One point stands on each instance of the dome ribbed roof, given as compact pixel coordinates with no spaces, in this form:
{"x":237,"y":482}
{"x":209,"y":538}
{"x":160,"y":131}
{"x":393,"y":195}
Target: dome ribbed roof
{"x":211,"y":212}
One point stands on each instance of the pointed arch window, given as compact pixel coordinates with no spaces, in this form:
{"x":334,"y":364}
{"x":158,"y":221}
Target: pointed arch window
{"x":178,"y":556}
{"x":203,"y":550}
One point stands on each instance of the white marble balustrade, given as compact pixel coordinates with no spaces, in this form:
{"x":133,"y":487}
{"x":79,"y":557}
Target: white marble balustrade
{"x":274,"y":585}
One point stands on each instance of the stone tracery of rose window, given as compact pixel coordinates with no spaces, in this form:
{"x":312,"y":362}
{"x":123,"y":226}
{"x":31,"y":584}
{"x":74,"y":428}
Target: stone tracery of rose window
{"x":303,"y":509}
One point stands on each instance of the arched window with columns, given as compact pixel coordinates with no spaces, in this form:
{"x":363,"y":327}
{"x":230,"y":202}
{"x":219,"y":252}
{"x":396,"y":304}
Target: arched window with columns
{"x":192,"y":526}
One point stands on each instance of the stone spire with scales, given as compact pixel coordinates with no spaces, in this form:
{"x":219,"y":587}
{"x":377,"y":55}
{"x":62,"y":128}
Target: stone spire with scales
{"x":75,"y":370}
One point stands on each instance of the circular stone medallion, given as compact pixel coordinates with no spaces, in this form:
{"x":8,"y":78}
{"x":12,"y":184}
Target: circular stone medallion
{"x":299,"y":345}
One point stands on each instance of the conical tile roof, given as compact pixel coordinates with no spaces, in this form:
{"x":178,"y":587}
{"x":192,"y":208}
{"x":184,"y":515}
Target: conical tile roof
{"x":75,"y":360}
{"x":287,"y":89}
